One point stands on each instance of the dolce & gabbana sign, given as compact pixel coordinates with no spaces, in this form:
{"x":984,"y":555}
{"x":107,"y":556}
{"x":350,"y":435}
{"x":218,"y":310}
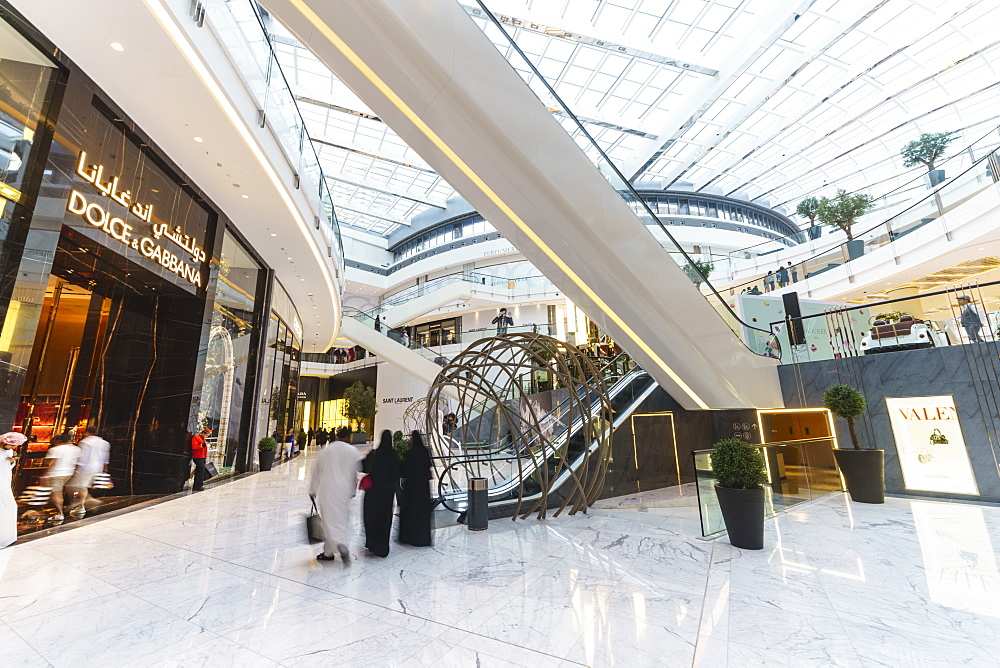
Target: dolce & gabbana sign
{"x":148,"y":237}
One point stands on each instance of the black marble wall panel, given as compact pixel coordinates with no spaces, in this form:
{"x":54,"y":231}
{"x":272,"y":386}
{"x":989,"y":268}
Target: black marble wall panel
{"x":968,"y":373}
{"x":647,"y":448}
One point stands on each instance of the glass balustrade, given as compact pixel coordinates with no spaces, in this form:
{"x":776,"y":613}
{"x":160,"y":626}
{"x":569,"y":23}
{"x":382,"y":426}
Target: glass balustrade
{"x":934,"y":319}
{"x":238,"y":26}
{"x":797,"y":471}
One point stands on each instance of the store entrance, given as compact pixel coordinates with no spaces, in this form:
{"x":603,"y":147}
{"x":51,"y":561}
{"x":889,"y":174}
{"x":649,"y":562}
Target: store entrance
{"x":62,"y":373}
{"x":114,"y":348}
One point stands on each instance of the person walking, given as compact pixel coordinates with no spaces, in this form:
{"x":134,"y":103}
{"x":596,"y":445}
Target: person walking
{"x":94,"y":455}
{"x":310,"y":435}
{"x":378,"y":324}
{"x":199,"y":453}
{"x":62,"y":455}
{"x":289,"y":443}
{"x":333,"y":484}
{"x":9,"y":443}
{"x":769,"y":281}
{"x":382,"y":465}
{"x":782,"y":276}
{"x":794,"y":272}
{"x":971,"y":318}
{"x":415,"y":504}
{"x":322,"y":437}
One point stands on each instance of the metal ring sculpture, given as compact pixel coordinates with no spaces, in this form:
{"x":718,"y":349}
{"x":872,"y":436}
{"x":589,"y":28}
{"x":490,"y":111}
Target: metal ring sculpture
{"x":505,"y":432}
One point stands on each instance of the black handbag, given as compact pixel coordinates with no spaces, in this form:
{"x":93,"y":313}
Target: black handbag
{"x":210,"y":470}
{"x":314,"y":529}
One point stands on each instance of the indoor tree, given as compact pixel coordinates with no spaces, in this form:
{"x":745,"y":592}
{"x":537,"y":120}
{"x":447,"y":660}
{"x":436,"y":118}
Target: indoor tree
{"x":843,"y":210}
{"x":698,"y":271}
{"x":846,"y":402}
{"x":359,"y":402}
{"x":927,"y":150}
{"x":808,"y":208}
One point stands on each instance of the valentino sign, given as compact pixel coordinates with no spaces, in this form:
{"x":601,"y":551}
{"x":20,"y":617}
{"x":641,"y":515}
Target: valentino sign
{"x":930,"y":445}
{"x":187,"y":265}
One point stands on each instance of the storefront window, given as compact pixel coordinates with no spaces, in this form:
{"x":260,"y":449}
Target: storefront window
{"x":280,"y":377}
{"x":230,"y":352}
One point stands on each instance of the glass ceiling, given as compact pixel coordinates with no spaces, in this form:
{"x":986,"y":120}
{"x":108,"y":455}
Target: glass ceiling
{"x":772,"y":99}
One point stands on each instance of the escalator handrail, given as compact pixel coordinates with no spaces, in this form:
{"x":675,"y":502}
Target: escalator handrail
{"x":569,"y":112}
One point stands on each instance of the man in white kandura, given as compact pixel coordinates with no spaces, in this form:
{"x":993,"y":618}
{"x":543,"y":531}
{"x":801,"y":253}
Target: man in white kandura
{"x":333,"y":484}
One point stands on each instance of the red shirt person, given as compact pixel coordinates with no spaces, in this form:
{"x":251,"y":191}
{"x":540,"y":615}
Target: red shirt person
{"x":199,"y":452}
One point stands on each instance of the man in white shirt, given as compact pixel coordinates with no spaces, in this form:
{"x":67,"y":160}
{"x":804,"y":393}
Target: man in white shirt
{"x":62,"y":456}
{"x":94,"y":452}
{"x":333,"y":484}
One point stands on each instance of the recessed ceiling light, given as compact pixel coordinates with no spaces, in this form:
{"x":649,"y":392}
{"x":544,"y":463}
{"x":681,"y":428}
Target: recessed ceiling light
{"x":117,"y":47}
{"x":273,"y":234}
{"x":289,"y":258}
{"x":245,"y":196}
{"x":199,"y":139}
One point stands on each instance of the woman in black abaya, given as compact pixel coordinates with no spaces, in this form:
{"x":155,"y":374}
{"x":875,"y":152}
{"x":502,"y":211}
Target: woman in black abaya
{"x":384,"y":470}
{"x":415,"y":507}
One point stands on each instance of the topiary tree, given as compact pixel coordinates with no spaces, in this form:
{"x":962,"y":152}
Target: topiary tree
{"x":301,"y":438}
{"x":844,"y":210}
{"x":400,"y":444}
{"x":808,"y":208}
{"x":359,"y":400}
{"x":738,"y":464}
{"x":846,"y":402}
{"x":927,"y":150}
{"x":698,"y":271}
{"x":267,"y":444}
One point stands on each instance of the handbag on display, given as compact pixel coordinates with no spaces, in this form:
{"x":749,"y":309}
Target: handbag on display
{"x":314,"y":529}
{"x":925,"y":456}
{"x":937,"y":438}
{"x":366,"y":483}
{"x":210,"y":470}
{"x":102,"y":481}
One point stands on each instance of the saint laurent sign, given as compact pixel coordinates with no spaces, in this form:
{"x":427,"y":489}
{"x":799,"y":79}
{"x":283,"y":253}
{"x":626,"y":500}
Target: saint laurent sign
{"x":187,"y":265}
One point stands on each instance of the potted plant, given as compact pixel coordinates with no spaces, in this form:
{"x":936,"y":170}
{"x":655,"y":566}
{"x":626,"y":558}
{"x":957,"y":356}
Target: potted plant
{"x":842,"y":212}
{"x":808,"y":208}
{"x":400,"y":444}
{"x":301,"y":439}
{"x":698,"y":271}
{"x":739,"y":474}
{"x":927,"y":151}
{"x":863,"y":470}
{"x":360,"y":405}
{"x":266,"y":448}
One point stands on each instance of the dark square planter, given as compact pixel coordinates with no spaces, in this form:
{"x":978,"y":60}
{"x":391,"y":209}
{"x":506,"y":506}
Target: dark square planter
{"x":743,"y":512}
{"x":864,"y":473}
{"x":266,"y":459}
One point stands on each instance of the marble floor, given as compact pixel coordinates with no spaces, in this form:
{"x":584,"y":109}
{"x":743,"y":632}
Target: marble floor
{"x":224,"y":578}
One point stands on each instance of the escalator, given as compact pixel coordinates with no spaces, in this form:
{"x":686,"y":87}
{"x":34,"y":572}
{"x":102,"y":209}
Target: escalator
{"x":438,"y":81}
{"x":522,"y":482}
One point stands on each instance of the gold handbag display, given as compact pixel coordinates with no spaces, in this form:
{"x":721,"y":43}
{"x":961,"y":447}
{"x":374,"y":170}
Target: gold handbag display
{"x":937,"y":438}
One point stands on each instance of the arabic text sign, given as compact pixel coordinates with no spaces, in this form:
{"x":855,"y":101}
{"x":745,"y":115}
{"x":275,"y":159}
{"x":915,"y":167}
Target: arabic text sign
{"x":118,"y":228}
{"x":930,"y":445}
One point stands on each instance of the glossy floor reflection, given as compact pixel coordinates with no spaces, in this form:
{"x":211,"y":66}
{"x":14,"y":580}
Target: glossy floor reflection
{"x":224,"y":578}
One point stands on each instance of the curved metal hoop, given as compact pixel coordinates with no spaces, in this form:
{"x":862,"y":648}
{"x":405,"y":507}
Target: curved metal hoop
{"x":530,"y":408}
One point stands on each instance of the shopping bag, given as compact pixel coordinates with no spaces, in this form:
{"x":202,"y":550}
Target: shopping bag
{"x":314,"y":529}
{"x":210,"y":470}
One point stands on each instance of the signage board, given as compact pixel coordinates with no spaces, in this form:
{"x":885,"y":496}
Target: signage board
{"x":930,"y":445}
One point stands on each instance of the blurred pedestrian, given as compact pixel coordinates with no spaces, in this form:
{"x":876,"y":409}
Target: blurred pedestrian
{"x":794,"y":272}
{"x":61,"y":455}
{"x":333,"y":484}
{"x":322,"y":437}
{"x":382,"y":465}
{"x":94,"y":453}
{"x":782,"y":276}
{"x":769,"y":281}
{"x":9,"y":443}
{"x":415,"y":504}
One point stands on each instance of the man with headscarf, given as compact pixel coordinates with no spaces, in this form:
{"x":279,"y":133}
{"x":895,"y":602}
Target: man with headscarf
{"x":415,"y":504}
{"x":333,"y":484}
{"x":382,"y":465}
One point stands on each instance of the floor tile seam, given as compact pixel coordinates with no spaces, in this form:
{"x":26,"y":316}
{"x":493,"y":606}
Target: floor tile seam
{"x":218,"y":636}
{"x":34,"y":649}
{"x":705,"y":602}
